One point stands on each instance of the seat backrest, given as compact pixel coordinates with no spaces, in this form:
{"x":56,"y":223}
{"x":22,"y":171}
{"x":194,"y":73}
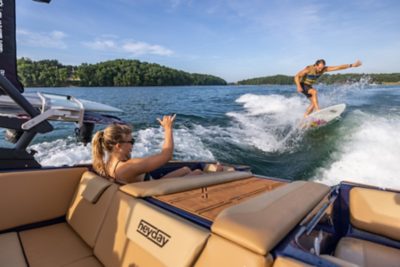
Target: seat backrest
{"x":89,"y":206}
{"x":375,"y":211}
{"x":258,"y":224}
{"x":36,"y":195}
{"x":137,"y":233}
{"x":180,"y":184}
{"x":222,"y":252}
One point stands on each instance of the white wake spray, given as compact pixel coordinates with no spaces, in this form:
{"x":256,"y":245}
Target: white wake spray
{"x":369,"y":153}
{"x":149,"y":142}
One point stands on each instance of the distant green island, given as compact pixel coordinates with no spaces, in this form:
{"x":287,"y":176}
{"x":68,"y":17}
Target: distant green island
{"x":119,"y":72}
{"x":328,"y":79}
{"x":124,"y":72}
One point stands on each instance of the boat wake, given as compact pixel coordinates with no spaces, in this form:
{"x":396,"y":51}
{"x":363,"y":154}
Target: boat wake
{"x":269,"y":122}
{"x":368,"y":153}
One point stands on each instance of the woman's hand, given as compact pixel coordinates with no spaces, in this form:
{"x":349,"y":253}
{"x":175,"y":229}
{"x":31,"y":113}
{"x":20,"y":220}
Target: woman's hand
{"x":167,"y":122}
{"x":358,"y":63}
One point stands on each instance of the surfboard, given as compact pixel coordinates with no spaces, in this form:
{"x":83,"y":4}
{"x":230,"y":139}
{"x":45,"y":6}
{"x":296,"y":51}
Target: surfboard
{"x":56,"y":107}
{"x":65,"y":102}
{"x":323,"y":116}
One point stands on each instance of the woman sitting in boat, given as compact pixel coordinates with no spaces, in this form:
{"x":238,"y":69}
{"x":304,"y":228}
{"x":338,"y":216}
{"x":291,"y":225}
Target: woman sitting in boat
{"x":118,"y":142}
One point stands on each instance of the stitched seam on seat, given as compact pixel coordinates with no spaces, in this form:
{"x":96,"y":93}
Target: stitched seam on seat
{"x":79,"y":260}
{"x":23,"y":250}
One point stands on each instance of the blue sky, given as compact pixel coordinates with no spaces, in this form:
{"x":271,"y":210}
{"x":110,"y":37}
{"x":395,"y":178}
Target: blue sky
{"x":232,"y":39}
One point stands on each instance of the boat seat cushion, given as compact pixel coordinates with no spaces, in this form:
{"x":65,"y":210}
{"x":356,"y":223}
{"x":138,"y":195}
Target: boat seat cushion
{"x":289,"y":262}
{"x":261,"y":222}
{"x":167,"y":237}
{"x":136,"y":233}
{"x":365,"y":253}
{"x":54,"y":245}
{"x":37,"y":195}
{"x":86,"y":262}
{"x":375,"y":211}
{"x":93,"y":186}
{"x":84,"y":216}
{"x":11,"y":253}
{"x":175,"y":185}
{"x":222,"y":252}
{"x":338,"y":261}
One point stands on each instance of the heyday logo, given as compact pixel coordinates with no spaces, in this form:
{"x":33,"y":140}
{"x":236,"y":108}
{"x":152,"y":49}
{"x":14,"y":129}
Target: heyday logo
{"x":153,"y":233}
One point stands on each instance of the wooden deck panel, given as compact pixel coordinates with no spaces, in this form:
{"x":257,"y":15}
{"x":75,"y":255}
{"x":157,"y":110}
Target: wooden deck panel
{"x":208,"y":202}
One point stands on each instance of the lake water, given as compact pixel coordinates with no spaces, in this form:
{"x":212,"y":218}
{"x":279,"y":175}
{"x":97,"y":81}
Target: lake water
{"x":252,"y":125}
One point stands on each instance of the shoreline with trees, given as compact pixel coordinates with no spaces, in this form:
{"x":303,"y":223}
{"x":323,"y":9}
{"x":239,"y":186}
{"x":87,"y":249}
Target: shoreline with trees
{"x":328,"y":79}
{"x":123,"y":72}
{"x":118,"y":72}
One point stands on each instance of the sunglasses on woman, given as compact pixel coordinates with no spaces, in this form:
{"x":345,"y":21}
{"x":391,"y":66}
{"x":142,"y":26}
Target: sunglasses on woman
{"x":130,"y":141}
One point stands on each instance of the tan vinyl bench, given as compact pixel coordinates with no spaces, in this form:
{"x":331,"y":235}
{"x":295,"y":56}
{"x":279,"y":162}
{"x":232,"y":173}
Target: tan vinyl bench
{"x":290,"y":262}
{"x":11,"y":253}
{"x":71,"y":243}
{"x":124,"y":237}
{"x":180,"y":184}
{"x":29,"y":192}
{"x":27,"y":195}
{"x":377,"y":212}
{"x":244,"y":234}
{"x":365,"y":253}
{"x":137,"y":233}
{"x":95,"y":234}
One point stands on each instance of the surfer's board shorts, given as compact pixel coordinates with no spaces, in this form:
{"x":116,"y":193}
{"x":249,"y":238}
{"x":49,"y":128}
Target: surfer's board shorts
{"x":305,"y":88}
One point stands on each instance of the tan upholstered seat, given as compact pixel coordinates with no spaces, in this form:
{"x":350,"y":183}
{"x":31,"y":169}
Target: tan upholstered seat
{"x":167,"y":237}
{"x":174,"y":185}
{"x":86,"y":262}
{"x":261,"y":222}
{"x":338,"y":261}
{"x":93,"y":186}
{"x":84,"y":216}
{"x":137,"y":233}
{"x":222,"y":252}
{"x":71,"y":243}
{"x":54,"y":245}
{"x":37,"y":195}
{"x":11,"y":253}
{"x":365,"y":253}
{"x":375,"y":211}
{"x":289,"y":262}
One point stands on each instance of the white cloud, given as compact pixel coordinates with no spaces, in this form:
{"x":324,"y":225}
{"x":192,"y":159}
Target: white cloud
{"x":109,"y":36}
{"x":42,"y":39}
{"x":135,"y":48}
{"x":141,"y":48}
{"x":175,"y":3}
{"x":100,"y":44}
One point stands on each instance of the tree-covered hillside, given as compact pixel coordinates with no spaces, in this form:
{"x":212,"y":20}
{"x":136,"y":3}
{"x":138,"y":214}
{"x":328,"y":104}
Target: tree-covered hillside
{"x":119,"y":72}
{"x":327,"y":79}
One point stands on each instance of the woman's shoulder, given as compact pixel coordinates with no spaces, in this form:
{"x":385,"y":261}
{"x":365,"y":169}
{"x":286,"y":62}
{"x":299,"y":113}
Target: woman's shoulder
{"x":126,"y":170}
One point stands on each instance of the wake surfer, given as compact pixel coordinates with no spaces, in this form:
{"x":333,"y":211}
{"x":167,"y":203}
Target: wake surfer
{"x":307,"y":77}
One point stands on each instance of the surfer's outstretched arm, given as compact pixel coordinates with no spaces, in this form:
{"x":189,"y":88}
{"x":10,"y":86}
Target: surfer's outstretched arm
{"x":342,"y":67}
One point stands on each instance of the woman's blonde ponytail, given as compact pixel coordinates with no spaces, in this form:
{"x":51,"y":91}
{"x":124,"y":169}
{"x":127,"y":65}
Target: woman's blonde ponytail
{"x":98,"y":153}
